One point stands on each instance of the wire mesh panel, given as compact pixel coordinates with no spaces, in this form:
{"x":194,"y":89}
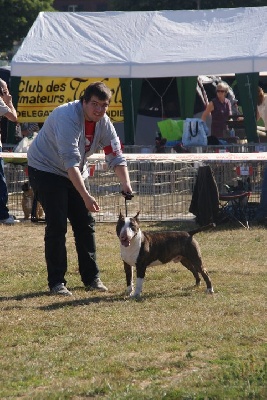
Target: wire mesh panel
{"x":163,"y":185}
{"x":246,"y":175}
{"x":162,"y":189}
{"x":15,"y":175}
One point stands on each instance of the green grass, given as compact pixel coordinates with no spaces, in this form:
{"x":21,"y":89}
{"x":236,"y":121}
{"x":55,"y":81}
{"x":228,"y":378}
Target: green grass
{"x":176,"y":343}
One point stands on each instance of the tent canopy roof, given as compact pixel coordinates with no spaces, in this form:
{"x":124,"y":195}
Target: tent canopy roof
{"x":144,"y":44}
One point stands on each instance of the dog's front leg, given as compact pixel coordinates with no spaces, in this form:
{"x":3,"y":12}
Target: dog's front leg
{"x":129,"y":278}
{"x":140,"y":276}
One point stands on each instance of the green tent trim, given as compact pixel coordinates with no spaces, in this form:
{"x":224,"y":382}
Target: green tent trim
{"x":130,"y":94}
{"x":187,"y":94}
{"x":248,"y":90}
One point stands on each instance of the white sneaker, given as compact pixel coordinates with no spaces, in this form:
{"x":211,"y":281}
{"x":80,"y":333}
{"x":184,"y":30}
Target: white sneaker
{"x":97,"y":284}
{"x":60,"y":289}
{"x":9,"y":221}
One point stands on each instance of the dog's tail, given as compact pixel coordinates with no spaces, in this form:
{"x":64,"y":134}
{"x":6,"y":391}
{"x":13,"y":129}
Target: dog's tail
{"x":202,"y":229}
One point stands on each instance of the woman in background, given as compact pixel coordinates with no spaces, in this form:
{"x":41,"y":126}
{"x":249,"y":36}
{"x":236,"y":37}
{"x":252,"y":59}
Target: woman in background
{"x":220,"y":110}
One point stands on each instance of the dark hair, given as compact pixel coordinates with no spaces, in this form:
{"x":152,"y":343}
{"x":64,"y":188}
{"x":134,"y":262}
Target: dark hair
{"x":98,"y":89}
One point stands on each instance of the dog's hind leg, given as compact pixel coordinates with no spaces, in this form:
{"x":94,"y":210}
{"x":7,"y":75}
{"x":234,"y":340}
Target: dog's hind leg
{"x":187,"y":264}
{"x":129,"y":278}
{"x":198,"y":265}
{"x":196,"y":269}
{"x":206,"y":278}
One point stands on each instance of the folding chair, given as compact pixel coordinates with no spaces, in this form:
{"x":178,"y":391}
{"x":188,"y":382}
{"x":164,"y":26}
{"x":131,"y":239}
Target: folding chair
{"x":233,"y":206}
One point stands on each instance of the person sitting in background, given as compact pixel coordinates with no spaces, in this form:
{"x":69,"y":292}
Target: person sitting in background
{"x":160,"y":144}
{"x":29,"y":129}
{"x":220,"y":110}
{"x":28,"y":132}
{"x":8,"y":111}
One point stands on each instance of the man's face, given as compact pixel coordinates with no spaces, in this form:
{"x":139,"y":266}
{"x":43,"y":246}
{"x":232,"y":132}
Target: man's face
{"x":95,"y":109}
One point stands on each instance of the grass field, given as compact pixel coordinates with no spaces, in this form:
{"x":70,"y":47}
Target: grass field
{"x":176,"y":343}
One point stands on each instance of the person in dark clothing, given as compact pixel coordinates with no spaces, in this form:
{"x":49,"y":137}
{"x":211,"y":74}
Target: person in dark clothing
{"x":220,"y":110}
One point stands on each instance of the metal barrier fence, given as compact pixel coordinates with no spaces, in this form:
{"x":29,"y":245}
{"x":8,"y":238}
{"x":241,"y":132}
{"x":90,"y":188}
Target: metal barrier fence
{"x":162,"y":184}
{"x":230,"y":147}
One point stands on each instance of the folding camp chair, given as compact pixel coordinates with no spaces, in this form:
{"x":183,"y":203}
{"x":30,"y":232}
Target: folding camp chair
{"x":233,"y":206}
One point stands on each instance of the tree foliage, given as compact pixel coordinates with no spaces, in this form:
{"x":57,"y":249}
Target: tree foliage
{"x":17,"y":17}
{"x":147,"y":5}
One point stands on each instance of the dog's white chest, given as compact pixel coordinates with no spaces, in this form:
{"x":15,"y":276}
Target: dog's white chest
{"x":129,"y":254}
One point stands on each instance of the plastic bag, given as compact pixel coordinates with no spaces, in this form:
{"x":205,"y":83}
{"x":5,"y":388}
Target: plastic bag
{"x":195,"y":132}
{"x":171,"y":129}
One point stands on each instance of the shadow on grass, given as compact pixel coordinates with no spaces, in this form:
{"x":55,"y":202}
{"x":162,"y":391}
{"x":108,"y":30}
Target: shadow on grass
{"x":181,"y":292}
{"x":80,"y":302}
{"x":104,"y":298}
{"x":24,"y":296}
{"x":70,"y":301}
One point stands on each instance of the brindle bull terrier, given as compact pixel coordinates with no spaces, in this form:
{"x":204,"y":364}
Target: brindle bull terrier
{"x":144,"y":249}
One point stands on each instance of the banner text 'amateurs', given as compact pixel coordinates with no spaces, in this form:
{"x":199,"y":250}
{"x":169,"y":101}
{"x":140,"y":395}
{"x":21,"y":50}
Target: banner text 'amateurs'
{"x":38,"y":96}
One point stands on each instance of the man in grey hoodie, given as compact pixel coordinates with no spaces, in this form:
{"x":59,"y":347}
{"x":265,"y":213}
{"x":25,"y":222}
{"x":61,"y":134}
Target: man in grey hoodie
{"x":57,"y":168}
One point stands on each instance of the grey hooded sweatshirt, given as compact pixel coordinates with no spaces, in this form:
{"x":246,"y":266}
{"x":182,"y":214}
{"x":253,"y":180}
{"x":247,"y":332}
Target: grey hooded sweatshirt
{"x":60,"y":144}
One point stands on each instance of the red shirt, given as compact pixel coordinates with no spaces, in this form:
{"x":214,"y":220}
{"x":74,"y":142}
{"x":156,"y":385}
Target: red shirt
{"x":89,"y":134}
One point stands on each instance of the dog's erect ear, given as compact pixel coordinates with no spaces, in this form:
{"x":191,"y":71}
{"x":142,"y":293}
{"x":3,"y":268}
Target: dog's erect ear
{"x":121,"y":216}
{"x":136,"y":216}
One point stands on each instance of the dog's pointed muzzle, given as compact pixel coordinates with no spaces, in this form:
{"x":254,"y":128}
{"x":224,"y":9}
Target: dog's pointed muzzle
{"x":125,"y":241}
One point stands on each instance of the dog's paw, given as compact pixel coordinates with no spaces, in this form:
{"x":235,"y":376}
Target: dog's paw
{"x":135,"y":296}
{"x":210,"y":291}
{"x":129,"y":290}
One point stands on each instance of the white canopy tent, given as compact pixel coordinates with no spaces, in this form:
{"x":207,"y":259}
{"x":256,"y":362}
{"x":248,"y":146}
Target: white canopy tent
{"x":148,"y":44}
{"x":144,"y":44}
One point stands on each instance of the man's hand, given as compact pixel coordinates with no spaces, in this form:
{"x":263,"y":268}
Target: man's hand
{"x":76,"y":178}
{"x":122,"y":173}
{"x":90,"y":203}
{"x":127,"y":195}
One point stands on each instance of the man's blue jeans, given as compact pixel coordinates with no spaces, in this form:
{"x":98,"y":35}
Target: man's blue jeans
{"x":3,"y":191}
